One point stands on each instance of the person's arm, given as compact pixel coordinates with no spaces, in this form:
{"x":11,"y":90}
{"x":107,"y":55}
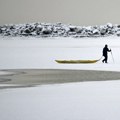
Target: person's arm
{"x":109,"y":50}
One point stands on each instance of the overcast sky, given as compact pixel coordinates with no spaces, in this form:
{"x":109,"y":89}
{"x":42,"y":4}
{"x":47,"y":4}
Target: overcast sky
{"x":76,"y":12}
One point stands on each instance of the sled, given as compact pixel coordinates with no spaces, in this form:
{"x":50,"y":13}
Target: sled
{"x":76,"y":61}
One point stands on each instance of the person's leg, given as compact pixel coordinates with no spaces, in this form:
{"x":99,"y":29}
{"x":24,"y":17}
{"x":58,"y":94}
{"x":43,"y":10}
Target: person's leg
{"x":106,"y":58}
{"x":103,"y":59}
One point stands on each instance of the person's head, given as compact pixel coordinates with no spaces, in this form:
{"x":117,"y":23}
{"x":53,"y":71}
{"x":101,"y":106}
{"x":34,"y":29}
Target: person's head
{"x":106,"y":45}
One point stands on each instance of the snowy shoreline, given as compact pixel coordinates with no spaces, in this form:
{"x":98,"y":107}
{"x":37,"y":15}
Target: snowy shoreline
{"x":59,"y":30}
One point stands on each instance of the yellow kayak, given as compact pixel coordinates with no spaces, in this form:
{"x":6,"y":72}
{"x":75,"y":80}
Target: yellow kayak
{"x":76,"y":61}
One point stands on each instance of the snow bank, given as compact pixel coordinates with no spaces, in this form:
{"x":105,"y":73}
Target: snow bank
{"x":58,"y":30}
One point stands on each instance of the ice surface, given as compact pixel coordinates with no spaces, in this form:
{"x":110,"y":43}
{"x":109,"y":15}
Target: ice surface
{"x":73,"y":101}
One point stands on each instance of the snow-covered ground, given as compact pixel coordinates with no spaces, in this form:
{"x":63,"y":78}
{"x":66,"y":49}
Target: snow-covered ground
{"x":73,"y":101}
{"x":81,"y":101}
{"x":22,"y":52}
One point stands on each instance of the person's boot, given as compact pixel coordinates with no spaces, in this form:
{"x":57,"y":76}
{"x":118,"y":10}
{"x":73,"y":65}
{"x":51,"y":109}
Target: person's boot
{"x":106,"y":62}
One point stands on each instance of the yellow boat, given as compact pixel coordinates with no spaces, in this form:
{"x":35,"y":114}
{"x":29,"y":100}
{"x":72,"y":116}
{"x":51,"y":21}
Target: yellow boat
{"x":76,"y":61}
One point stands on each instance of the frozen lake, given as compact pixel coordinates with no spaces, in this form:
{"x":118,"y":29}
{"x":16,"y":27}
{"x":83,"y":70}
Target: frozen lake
{"x":71,"y":101}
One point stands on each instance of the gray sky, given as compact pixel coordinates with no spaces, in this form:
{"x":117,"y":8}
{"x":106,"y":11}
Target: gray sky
{"x":76,"y":12}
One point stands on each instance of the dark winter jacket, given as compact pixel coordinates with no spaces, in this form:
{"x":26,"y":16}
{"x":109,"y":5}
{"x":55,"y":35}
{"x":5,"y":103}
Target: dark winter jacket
{"x":105,"y":51}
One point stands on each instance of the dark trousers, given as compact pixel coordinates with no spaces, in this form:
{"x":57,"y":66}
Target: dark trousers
{"x":105,"y":59}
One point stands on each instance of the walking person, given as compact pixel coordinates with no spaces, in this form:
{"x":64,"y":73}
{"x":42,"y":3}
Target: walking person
{"x":105,"y":53}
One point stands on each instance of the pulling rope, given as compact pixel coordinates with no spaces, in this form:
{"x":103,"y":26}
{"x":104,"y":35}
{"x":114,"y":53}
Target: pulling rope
{"x":100,"y":58}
